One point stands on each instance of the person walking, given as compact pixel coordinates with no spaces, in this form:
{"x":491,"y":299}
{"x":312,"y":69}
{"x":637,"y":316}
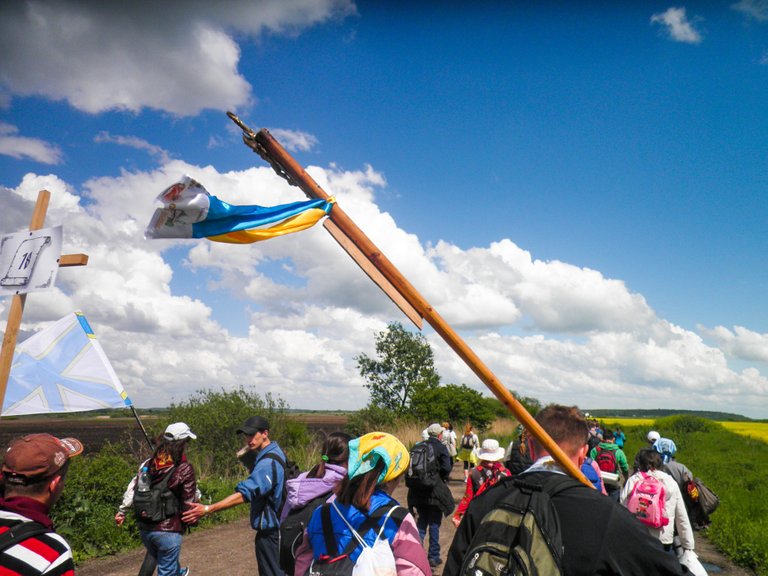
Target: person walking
{"x":168,"y":466}
{"x":597,"y":536}
{"x":486,"y":474}
{"x":34,"y":470}
{"x":365,"y":509}
{"x":263,"y":490}
{"x":612,"y":463}
{"x":430,"y":502}
{"x":649,"y":464}
{"x":468,"y":449}
{"x":449,"y":440}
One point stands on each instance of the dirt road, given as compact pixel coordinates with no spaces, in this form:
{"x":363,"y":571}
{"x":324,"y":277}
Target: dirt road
{"x":228,"y":550}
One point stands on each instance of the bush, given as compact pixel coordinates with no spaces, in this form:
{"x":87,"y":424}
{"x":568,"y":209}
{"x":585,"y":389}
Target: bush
{"x":85,"y":513}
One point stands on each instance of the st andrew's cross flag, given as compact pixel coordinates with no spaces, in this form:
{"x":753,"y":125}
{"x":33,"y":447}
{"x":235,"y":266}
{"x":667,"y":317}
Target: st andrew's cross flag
{"x":62,"y":368}
{"x":189,"y":211}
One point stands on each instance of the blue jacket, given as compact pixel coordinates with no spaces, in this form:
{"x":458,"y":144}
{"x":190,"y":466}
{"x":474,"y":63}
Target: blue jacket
{"x":355,"y":517}
{"x":264,"y":488}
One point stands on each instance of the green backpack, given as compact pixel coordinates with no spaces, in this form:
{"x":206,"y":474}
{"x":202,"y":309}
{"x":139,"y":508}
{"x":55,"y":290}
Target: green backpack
{"x":521,"y":534}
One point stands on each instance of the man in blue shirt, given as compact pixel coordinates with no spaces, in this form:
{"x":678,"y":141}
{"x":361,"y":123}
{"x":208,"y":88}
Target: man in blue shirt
{"x":263,"y":489}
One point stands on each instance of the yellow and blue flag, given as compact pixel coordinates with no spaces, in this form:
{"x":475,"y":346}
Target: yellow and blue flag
{"x":62,"y":368}
{"x":189,"y":211}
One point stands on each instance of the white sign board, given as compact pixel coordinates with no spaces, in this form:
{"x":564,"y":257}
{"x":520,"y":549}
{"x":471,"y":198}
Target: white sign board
{"x":29,"y":261}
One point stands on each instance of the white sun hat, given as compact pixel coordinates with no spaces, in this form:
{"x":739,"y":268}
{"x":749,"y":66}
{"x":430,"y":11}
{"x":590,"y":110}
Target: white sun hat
{"x":490,"y":451}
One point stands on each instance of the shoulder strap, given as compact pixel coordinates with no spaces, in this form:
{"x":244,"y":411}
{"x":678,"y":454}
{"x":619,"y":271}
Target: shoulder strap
{"x":331,"y":547}
{"x":275,"y":457}
{"x":371,"y":522}
{"x":19,"y":533}
{"x":164,"y":482}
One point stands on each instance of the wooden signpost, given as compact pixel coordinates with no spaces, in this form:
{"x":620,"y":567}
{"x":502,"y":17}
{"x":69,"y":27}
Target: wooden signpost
{"x":394,"y":284}
{"x":18,"y":300}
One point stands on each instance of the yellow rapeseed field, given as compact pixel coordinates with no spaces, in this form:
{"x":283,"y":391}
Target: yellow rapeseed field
{"x":756,"y":430}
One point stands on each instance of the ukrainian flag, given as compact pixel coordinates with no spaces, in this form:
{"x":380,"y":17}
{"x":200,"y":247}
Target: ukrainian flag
{"x":189,"y":211}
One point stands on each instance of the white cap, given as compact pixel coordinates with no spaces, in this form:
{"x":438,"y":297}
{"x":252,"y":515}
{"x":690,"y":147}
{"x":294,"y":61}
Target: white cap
{"x":653,"y":436}
{"x":178,"y":431}
{"x":490,"y":451}
{"x":435,"y":429}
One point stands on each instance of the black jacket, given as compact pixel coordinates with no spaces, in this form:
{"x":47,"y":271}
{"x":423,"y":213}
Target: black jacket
{"x":434,"y":496}
{"x":599,"y":535}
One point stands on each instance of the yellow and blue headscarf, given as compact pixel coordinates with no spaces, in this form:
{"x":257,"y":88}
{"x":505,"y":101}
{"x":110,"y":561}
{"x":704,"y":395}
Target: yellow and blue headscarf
{"x":366,"y":451}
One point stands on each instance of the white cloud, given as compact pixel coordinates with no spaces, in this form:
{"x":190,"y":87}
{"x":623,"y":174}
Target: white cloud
{"x":21,"y":147}
{"x":121,"y":55}
{"x":545,"y":328}
{"x":677,"y":25}
{"x":294,"y":139}
{"x":757,"y":9}
{"x":153,"y":150}
{"x":740,"y":342}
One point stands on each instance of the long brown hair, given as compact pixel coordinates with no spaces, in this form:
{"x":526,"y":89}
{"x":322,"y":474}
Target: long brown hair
{"x":335,"y":450}
{"x":358,"y":490}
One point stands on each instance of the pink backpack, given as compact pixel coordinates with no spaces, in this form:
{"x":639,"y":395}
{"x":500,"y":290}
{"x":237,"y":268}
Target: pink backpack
{"x":646,"y":501}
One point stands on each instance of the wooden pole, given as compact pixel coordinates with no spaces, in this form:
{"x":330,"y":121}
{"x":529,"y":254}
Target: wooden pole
{"x":17,"y":303}
{"x":282,"y":161}
{"x":16,"y":310}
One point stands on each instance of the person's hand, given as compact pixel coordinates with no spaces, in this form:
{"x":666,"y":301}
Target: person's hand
{"x":119,"y":518}
{"x":194,"y":512}
{"x":456,"y":521}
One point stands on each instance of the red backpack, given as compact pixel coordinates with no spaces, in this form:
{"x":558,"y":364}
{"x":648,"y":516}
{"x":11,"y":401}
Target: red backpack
{"x":606,"y":460}
{"x":646,"y":501}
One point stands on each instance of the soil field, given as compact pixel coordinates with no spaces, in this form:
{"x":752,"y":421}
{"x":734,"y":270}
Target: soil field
{"x":94,"y":432}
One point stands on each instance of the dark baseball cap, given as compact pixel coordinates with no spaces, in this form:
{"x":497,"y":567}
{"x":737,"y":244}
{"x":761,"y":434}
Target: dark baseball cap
{"x":38,"y":456}
{"x":254,"y":424}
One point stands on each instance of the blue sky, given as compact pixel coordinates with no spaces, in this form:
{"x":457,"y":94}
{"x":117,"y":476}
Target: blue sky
{"x":579,"y":190}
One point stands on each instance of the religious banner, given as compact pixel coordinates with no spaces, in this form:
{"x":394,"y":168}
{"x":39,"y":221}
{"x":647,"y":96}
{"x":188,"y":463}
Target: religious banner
{"x":62,"y":368}
{"x":29,"y":261}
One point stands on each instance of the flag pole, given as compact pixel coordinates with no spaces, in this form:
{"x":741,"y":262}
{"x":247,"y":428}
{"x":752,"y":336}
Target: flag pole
{"x":264,"y":144}
{"x":17,"y":304}
{"x":141,"y":425}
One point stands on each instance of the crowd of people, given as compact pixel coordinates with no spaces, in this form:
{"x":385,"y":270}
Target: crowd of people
{"x":341,"y":513}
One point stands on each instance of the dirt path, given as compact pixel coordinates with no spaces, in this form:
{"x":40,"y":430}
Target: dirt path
{"x":228,"y":550}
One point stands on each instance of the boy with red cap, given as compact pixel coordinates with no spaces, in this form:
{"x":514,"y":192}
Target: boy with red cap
{"x":33,"y":473}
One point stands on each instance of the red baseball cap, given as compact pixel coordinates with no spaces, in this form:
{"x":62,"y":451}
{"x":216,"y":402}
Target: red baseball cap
{"x":38,"y":456}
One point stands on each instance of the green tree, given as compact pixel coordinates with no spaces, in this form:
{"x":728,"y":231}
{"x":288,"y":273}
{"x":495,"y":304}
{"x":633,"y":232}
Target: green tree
{"x":404,"y":366}
{"x":455,"y":403}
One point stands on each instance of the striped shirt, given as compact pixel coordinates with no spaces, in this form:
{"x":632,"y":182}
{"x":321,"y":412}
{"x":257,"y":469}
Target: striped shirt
{"x":44,"y":554}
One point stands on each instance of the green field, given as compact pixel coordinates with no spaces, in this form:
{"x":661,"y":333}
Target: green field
{"x":732,"y":459}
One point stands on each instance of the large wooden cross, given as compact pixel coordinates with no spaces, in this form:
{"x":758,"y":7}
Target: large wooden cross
{"x":18,"y":300}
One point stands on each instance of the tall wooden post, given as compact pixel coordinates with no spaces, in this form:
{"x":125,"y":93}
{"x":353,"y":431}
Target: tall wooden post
{"x":18,"y":300}
{"x":264,"y":144}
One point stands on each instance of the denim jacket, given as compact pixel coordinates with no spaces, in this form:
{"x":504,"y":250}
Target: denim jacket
{"x":263,"y":489}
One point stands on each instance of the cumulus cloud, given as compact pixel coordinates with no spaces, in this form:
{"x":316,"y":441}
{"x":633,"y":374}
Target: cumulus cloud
{"x":545,"y":328}
{"x":120,"y":55}
{"x":21,"y":147}
{"x":757,"y":9}
{"x":677,"y":26}
{"x":740,"y":342}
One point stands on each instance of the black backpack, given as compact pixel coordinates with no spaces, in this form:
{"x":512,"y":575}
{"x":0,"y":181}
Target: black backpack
{"x":467,"y":441}
{"x":292,"y":531}
{"x":156,"y":504}
{"x":422,"y":471}
{"x":521,"y":534}
{"x":291,"y":471}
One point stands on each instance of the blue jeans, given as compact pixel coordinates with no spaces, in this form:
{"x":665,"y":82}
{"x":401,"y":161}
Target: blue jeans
{"x":429,"y":518}
{"x":166,"y":548}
